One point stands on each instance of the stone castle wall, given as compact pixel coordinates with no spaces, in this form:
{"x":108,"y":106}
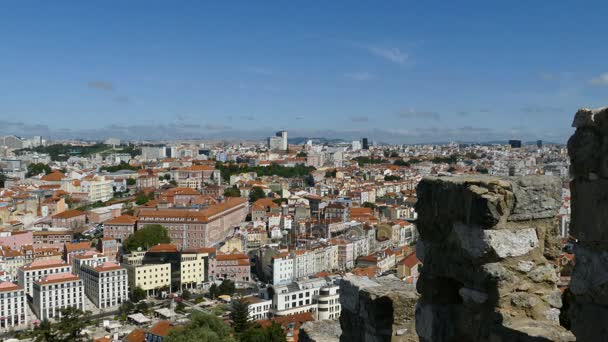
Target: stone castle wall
{"x":588,"y":150}
{"x":487,"y":245}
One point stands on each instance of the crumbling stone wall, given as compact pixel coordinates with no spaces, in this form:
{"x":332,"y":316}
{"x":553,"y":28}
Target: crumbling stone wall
{"x":487,"y":245}
{"x":588,"y":150}
{"x":377,"y":310}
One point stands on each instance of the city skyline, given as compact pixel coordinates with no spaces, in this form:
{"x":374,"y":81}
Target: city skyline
{"x":402,"y":72}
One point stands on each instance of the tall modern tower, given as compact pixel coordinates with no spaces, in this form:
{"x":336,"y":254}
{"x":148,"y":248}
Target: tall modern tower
{"x":364,"y":144}
{"x":283,"y":136}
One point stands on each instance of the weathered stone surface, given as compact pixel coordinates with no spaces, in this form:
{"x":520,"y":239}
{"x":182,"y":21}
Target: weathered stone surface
{"x":589,"y":210}
{"x":525,"y":266}
{"x":529,"y":330}
{"x":543,"y":273}
{"x":485,"y":243}
{"x":589,"y":322}
{"x":478,"y":242}
{"x":382,"y":309}
{"x":473,"y":296}
{"x":588,"y":150}
{"x":524,"y":300}
{"x":536,"y":197}
{"x":554,"y":299}
{"x":320,"y":331}
{"x":590,"y":276}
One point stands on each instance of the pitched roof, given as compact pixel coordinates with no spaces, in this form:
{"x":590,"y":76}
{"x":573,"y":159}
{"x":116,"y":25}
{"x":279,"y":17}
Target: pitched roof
{"x":137,"y":335}
{"x":57,"y":278}
{"x":122,"y":220}
{"x":55,"y":176}
{"x":163,"y":247}
{"x":70,"y":247}
{"x":69,"y":214}
{"x":8,"y":286}
{"x":161,"y":328}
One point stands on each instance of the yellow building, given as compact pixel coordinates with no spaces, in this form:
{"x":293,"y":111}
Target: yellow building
{"x":192,"y":268}
{"x":150,"y":278}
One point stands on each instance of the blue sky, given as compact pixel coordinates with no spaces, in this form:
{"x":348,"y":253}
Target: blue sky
{"x":397,"y":71}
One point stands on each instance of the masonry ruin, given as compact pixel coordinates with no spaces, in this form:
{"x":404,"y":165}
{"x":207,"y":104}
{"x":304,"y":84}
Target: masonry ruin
{"x":588,"y":150}
{"x":487,"y":246}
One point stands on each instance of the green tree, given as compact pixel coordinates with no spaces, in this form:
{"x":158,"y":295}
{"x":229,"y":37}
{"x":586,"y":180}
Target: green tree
{"x":232,"y":192}
{"x":239,"y":314}
{"x":142,"y":307}
{"x":213,"y":291}
{"x":369,"y":205}
{"x":143,"y":198}
{"x":2,"y":180}
{"x":44,"y":332}
{"x":167,"y":176}
{"x":131,"y":181}
{"x":125,"y":309}
{"x":150,"y":235}
{"x":180,"y":307}
{"x":37,"y":168}
{"x":186,"y":295}
{"x":256,"y":333}
{"x":71,"y":324}
{"x":302,"y":154}
{"x":256,"y":193}
{"x":203,"y":327}
{"x":138,"y":294}
{"x":121,"y":166}
{"x":331,"y":173}
{"x":227,"y":287}
{"x":401,"y":162}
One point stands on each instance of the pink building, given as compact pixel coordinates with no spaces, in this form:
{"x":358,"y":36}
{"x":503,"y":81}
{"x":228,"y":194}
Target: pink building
{"x":119,"y":228}
{"x":17,"y":239}
{"x":235,"y":267}
{"x":197,"y":228}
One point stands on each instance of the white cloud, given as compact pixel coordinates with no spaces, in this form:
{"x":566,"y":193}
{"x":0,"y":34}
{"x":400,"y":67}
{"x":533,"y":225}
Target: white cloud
{"x":359,"y":75}
{"x":390,"y":54}
{"x":601,"y":80}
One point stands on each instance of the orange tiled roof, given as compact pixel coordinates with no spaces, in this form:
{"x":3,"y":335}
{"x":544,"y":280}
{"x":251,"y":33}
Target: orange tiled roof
{"x":69,"y":214}
{"x":122,"y":220}
{"x":161,"y":328}
{"x":163,"y":247}
{"x":55,"y":176}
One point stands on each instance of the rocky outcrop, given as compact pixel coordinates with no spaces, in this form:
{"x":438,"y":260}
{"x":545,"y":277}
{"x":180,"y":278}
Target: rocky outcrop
{"x":381,"y":309}
{"x":487,"y":246}
{"x":588,"y":150}
{"x":320,"y":331}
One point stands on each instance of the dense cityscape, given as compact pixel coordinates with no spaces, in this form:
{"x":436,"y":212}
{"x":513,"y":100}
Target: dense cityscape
{"x":131,"y":239}
{"x":319,"y":171}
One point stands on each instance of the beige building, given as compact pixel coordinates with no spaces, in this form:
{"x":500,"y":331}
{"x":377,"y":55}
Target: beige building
{"x":150,"y":278}
{"x":192,"y":269}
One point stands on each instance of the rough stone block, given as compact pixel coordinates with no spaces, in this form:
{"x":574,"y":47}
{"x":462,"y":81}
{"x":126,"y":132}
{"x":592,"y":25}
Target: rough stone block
{"x":590,"y":276}
{"x":478,"y":242}
{"x":377,"y":310}
{"x":589,"y":217}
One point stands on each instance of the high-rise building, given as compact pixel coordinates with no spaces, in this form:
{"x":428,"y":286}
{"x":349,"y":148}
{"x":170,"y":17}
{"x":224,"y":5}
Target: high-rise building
{"x":539,"y":143}
{"x":364,"y":144}
{"x":515,"y":143}
{"x":278,"y":142}
{"x":284,"y":143}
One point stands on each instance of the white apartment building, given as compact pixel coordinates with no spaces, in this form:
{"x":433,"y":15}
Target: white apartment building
{"x":282,"y":269}
{"x":12,"y":306}
{"x":293,"y":299}
{"x":98,"y":188}
{"x":259,"y":308}
{"x":329,"y":303}
{"x":299,"y":264}
{"x":27,"y":275}
{"x":55,"y":292}
{"x":106,"y":285}
{"x":319,"y":296}
{"x":89,"y":258}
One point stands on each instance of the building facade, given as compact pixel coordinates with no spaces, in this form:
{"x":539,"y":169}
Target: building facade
{"x":55,"y":292}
